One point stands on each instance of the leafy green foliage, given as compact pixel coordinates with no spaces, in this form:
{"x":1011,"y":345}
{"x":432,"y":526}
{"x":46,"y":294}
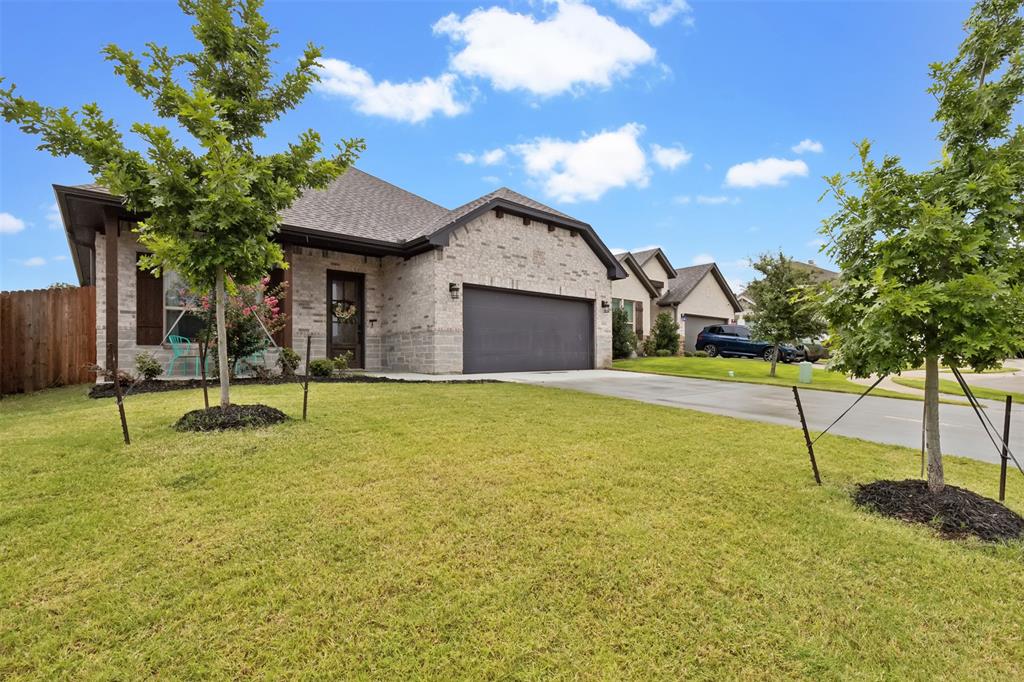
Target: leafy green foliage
{"x":623,"y":336}
{"x":321,"y":367}
{"x":665,"y":333}
{"x":213,"y":203}
{"x":932,"y":263}
{"x":288,"y":360}
{"x":147,"y":366}
{"x":782,"y":311}
{"x":253,"y":314}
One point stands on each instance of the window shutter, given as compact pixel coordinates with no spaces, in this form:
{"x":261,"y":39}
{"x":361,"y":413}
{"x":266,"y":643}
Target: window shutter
{"x":149,"y":308}
{"x":638,"y":318}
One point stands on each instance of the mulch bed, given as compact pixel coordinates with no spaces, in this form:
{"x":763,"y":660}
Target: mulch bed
{"x":156,"y":385}
{"x":230,"y":417}
{"x":955,"y":512}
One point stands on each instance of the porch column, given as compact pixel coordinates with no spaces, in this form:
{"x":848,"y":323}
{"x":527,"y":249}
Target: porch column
{"x":111,"y":232}
{"x":289,"y":280}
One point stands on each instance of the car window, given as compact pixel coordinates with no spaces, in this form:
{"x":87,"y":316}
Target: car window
{"x":713,"y":330}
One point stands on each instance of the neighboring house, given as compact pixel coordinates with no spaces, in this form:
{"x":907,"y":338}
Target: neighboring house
{"x":699,"y":296}
{"x":747,"y":304}
{"x":502,"y":283}
{"x":638,"y":293}
{"x":696,"y":297}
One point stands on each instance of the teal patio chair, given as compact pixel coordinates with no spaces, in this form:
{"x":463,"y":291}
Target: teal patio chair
{"x":181,"y":347}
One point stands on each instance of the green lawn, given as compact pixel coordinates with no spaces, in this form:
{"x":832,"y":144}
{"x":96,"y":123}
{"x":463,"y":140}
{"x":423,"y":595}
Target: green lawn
{"x":476,"y":532}
{"x":951,"y":387}
{"x":748,"y":370}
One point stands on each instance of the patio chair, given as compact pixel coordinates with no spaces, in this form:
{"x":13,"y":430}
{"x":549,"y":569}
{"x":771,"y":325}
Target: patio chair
{"x":181,"y":347}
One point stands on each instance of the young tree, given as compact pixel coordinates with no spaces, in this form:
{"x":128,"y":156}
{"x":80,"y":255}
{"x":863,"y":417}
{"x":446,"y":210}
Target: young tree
{"x":211,"y":207}
{"x":782,"y":310}
{"x":932,"y":263}
{"x":665,"y":333}
{"x":623,"y":336}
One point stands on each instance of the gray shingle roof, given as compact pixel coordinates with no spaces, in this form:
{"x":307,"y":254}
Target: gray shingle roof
{"x":645,"y":255}
{"x":357,"y":204}
{"x":687,"y":279}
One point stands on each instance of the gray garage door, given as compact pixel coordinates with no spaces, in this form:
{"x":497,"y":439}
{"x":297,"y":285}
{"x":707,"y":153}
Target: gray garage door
{"x":692,"y":327}
{"x":505,"y":331}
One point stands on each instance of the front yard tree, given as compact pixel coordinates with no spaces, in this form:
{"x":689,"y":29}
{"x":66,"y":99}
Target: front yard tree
{"x":210,"y":206}
{"x":782,"y":311}
{"x":665,"y":333}
{"x":932,"y":262}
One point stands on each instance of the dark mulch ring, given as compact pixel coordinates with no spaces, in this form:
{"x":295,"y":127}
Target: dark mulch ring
{"x":157,"y":385}
{"x":230,"y":417}
{"x":955,"y":512}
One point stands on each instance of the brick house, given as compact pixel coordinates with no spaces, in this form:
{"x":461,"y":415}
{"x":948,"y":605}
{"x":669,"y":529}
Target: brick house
{"x":695,"y":297}
{"x":502,"y":283}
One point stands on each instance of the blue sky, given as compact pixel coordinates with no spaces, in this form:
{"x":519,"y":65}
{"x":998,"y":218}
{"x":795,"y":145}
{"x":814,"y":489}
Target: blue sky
{"x":658,"y":122}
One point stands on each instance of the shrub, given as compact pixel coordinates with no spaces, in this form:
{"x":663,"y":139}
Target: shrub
{"x":666,"y":334}
{"x":342,"y":361}
{"x":321,"y":367}
{"x":288,"y":360}
{"x":147,"y":366}
{"x":700,"y":354}
{"x":623,"y":336}
{"x":663,"y":353}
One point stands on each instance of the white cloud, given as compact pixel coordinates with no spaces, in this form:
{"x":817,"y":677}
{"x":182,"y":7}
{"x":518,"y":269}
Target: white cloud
{"x":617,"y":251}
{"x":817,"y":244}
{"x":10,"y":224}
{"x":670,"y":157}
{"x":34,"y":262}
{"x":488,"y":158}
{"x":53,"y":219}
{"x":682,"y":199}
{"x":491,"y":179}
{"x":717,"y":200}
{"x":772,"y":172}
{"x":412,"y":101}
{"x":59,"y":258}
{"x":573,"y":48}
{"x":808,"y":145}
{"x":659,"y":12}
{"x":702,"y":259}
{"x":586,"y":169}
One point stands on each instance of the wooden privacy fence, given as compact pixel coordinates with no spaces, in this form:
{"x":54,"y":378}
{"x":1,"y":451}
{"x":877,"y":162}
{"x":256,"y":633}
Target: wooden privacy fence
{"x":47,"y":338}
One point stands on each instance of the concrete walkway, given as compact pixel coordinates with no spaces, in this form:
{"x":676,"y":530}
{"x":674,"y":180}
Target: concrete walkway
{"x":1007,"y":381}
{"x":883,"y":420}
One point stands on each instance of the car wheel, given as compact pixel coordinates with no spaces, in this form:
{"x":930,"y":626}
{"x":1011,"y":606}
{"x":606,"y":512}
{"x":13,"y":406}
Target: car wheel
{"x":711,"y":350}
{"x":767,"y":355}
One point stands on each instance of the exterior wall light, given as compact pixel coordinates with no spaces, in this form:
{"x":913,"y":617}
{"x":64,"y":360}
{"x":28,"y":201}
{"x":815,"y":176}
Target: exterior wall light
{"x":453,"y":289}
{"x":605,"y":306}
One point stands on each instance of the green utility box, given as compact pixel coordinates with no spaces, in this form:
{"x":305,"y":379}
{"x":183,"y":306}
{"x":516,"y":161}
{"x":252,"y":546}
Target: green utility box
{"x":806,"y":372}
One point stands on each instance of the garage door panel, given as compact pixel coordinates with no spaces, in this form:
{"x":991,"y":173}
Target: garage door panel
{"x":505,"y":331}
{"x":693,"y":325}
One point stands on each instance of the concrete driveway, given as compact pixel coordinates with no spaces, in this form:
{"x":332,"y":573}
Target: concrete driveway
{"x":884,"y":420}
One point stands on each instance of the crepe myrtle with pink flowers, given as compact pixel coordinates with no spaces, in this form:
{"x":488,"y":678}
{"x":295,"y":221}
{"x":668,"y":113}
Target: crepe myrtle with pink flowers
{"x":253,"y":314}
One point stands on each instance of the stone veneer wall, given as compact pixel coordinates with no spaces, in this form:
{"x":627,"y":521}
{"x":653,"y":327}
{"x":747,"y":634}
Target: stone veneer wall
{"x":505,"y":253}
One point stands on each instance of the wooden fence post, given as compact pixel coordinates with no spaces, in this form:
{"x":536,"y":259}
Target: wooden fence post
{"x":807,"y":436}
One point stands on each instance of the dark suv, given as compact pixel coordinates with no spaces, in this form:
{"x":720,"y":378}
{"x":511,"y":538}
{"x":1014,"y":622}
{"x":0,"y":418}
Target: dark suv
{"x":734,"y":339}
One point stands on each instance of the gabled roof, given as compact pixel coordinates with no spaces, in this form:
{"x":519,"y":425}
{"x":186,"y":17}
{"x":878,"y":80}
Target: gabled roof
{"x":687,"y":280}
{"x":357,"y":204}
{"x":647,"y":254}
{"x":361,"y":213}
{"x":630,"y":261}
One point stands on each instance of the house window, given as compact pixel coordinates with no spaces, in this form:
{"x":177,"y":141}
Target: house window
{"x":628,"y":306}
{"x":177,"y":300}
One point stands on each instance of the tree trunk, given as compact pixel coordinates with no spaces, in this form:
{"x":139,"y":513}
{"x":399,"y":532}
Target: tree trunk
{"x":936,"y":480}
{"x":775,"y":360}
{"x":222,"y":339}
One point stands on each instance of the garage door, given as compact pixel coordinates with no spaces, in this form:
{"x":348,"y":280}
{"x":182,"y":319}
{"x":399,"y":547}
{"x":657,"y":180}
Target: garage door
{"x":693,"y":325}
{"x":506,"y":331}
